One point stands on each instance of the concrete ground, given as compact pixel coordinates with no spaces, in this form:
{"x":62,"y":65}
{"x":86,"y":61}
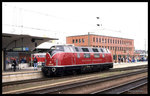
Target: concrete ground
{"x":119,"y":65}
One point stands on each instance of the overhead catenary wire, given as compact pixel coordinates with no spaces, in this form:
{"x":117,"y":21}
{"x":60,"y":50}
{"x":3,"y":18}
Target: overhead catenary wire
{"x":57,"y":17}
{"x":46,"y":14}
{"x":21,"y":26}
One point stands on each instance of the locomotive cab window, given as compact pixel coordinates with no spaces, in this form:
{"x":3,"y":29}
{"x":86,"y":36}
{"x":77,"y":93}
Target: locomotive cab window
{"x":95,"y":50}
{"x":77,"y":50}
{"x":85,"y":49}
{"x":105,"y":51}
{"x":101,"y":50}
{"x":55,"y":49}
{"x":108,"y":51}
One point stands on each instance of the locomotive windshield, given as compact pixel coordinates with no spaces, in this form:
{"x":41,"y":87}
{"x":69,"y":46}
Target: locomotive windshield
{"x":55,"y":49}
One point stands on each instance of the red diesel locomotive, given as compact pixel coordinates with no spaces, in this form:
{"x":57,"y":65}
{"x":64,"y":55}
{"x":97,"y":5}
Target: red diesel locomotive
{"x":68,"y":58}
{"x":40,"y":58}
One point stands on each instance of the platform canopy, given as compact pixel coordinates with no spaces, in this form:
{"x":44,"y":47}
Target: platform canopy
{"x":10,"y":41}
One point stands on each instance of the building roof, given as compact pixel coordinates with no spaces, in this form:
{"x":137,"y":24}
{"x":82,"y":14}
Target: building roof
{"x":100,"y":35}
{"x":10,"y":41}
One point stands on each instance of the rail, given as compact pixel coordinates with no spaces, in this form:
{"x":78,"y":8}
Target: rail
{"x":119,"y":89}
{"x":78,"y":84}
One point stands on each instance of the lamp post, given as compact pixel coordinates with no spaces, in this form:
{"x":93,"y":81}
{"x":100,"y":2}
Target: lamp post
{"x":89,"y":39}
{"x":100,"y":25}
{"x":115,"y":54}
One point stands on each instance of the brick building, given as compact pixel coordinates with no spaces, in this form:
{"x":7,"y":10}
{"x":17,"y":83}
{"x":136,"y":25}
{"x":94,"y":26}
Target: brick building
{"x":119,"y":47}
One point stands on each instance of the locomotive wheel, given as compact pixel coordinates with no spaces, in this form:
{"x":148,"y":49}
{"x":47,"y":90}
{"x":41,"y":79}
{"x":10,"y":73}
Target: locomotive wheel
{"x":83,"y":69}
{"x":74,"y":72}
{"x":78,"y":71}
{"x":107,"y":68}
{"x":48,"y":73}
{"x":61,"y":73}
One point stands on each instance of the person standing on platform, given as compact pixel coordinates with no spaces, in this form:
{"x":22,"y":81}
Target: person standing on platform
{"x":119,"y":59}
{"x":14,"y":64}
{"x":35,"y":63}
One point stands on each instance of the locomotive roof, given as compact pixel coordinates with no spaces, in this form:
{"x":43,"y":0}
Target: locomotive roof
{"x":90,"y":49}
{"x":79,"y":46}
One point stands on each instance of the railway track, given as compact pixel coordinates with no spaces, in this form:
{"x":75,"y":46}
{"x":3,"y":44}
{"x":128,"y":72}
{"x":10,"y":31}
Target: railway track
{"x":122,"y":88}
{"x":70,"y":87}
{"x":45,"y":79}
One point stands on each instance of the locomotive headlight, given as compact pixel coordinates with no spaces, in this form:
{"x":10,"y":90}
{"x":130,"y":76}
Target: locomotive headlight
{"x":53,"y":69}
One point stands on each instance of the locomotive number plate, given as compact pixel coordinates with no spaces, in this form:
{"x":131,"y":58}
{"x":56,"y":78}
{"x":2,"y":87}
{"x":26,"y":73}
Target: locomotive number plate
{"x":50,"y":64}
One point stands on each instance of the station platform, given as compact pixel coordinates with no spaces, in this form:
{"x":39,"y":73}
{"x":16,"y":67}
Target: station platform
{"x":120,"y":65}
{"x":22,"y":74}
{"x":30,"y":73}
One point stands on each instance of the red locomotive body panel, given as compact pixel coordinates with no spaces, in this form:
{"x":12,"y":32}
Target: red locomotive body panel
{"x":69,"y":59}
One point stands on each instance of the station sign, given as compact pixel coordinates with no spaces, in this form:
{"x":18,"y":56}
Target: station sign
{"x":21,"y":49}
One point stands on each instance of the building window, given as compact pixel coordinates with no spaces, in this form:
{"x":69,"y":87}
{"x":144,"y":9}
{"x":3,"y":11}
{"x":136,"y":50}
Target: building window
{"x":79,"y":40}
{"x":116,"y":48}
{"x":113,"y":41}
{"x":99,"y":39}
{"x":93,"y":39}
{"x":118,"y":41}
{"x":105,"y":40}
{"x":73,"y":41}
{"x":82,"y":40}
{"x":102,"y":40}
{"x":108,"y":47}
{"x":108,"y":40}
{"x":113,"y":48}
{"x":76,"y":40}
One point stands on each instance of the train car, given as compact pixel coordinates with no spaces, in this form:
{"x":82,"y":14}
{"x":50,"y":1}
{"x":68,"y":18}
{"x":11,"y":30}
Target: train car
{"x":40,"y":58}
{"x":68,"y":58}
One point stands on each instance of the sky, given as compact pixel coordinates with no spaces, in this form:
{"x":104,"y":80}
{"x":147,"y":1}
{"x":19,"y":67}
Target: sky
{"x":62,"y":19}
